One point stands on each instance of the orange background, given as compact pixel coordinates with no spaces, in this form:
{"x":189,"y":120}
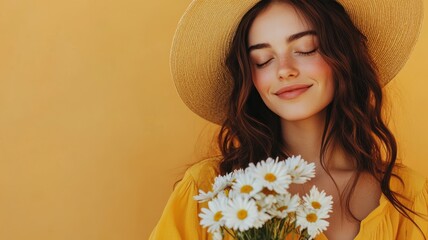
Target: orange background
{"x":92,"y":132}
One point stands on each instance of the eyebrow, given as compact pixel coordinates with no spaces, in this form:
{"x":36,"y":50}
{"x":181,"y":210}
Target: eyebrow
{"x":289,"y":39}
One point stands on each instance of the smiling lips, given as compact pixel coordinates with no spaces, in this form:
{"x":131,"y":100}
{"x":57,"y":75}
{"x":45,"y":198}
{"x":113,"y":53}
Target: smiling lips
{"x":292,"y":91}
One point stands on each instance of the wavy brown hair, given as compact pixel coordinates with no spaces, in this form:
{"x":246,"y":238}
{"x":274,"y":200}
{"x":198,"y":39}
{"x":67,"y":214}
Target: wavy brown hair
{"x":252,"y":132}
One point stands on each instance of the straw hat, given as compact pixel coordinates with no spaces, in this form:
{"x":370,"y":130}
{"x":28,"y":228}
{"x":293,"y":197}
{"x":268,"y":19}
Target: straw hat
{"x":205,"y":31}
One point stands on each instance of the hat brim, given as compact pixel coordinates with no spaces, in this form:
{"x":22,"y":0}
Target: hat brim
{"x":204,"y":33}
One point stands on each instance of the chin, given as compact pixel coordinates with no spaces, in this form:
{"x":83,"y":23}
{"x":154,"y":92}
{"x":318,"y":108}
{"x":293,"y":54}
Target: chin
{"x":297,"y":116}
{"x":294,"y":118}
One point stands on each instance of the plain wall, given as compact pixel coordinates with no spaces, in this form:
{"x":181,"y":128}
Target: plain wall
{"x":92,"y":132}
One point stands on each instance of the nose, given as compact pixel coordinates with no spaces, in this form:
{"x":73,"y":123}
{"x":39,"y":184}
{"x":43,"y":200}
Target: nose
{"x":287,"y":68}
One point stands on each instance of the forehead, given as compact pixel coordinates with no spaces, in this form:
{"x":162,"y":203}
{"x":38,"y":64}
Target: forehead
{"x":278,"y":20}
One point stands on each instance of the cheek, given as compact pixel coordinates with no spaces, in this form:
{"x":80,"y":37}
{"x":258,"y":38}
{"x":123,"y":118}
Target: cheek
{"x":326,"y":69}
{"x":318,"y":66}
{"x":322,"y":73}
{"x":327,"y":72}
{"x":328,"y":81}
{"x":261,"y":80}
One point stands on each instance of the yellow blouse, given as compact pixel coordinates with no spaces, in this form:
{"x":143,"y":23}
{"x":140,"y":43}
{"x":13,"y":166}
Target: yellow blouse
{"x":180,"y":217}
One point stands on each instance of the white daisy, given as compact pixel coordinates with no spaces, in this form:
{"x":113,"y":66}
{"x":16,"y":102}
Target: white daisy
{"x":250,"y":169}
{"x":247,"y":185}
{"x":299,"y":169}
{"x":285,"y":205}
{"x":262,"y":218}
{"x":204,"y":196}
{"x":241,"y":214}
{"x":311,"y":220}
{"x":217,"y":235}
{"x":224,"y":194}
{"x":265,"y":201}
{"x":230,"y":193}
{"x":273,"y":175}
{"x":222,"y":182}
{"x":212,"y":217}
{"x":318,"y":200}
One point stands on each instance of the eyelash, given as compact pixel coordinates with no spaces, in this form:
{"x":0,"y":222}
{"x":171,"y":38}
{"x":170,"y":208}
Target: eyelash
{"x":263,"y":64}
{"x":308,"y":53}
{"x":300,"y":53}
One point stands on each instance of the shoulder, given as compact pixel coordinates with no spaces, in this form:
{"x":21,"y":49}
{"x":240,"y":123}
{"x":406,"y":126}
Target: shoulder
{"x":408,"y":182}
{"x":203,"y":172}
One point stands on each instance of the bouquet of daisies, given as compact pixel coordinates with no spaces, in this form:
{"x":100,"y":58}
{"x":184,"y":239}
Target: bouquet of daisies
{"x":254,"y":203}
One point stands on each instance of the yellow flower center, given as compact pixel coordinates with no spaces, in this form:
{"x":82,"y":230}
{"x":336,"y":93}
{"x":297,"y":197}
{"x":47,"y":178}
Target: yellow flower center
{"x":246,"y":189}
{"x":316,"y":205}
{"x":270,"y":177}
{"x":226,"y":192}
{"x":218,"y":216}
{"x":242,"y":214}
{"x":283,"y":208}
{"x":311,"y":217}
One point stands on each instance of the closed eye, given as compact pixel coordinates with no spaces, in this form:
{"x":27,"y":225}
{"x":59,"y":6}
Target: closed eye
{"x":307,"y":53}
{"x":263,"y":64}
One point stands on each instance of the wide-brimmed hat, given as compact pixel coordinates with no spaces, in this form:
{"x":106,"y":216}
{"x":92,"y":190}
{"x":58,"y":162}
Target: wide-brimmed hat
{"x":205,"y":31}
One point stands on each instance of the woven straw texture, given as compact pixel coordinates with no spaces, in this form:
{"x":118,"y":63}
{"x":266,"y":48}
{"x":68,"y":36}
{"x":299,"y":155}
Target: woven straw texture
{"x":204,"y":33}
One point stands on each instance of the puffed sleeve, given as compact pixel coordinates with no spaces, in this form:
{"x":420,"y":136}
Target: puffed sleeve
{"x":420,"y":206}
{"x":180,"y":219}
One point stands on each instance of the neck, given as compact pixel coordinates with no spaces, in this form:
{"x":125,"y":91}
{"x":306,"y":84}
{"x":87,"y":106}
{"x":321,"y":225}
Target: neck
{"x":304,"y":137}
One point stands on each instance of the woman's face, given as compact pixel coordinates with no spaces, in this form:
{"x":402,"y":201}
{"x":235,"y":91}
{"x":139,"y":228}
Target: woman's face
{"x":289,"y":73}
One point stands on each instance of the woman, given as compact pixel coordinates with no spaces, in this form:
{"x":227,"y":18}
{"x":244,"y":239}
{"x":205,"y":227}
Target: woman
{"x":301,"y":77}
